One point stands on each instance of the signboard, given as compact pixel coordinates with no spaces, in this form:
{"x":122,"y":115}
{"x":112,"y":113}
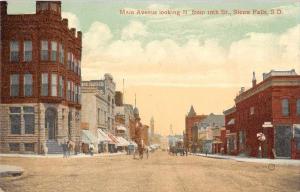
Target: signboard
{"x":267,"y":125}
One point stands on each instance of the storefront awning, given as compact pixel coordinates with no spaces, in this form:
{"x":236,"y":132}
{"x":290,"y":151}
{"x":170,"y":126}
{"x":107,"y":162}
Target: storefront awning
{"x":114,"y":140}
{"x":121,"y":128}
{"x":102,"y":136}
{"x":122,"y":142}
{"x":88,"y":137}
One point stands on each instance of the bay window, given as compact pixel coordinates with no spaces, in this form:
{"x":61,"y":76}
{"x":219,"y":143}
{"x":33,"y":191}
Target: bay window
{"x":53,"y":50}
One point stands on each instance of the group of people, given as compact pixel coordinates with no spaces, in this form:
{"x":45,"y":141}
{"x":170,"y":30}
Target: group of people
{"x":178,"y":150}
{"x":141,"y":151}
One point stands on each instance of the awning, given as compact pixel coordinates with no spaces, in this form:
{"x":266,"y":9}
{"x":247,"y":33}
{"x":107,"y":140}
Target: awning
{"x":121,"y":128}
{"x":114,"y":140}
{"x":88,"y":137}
{"x":122,"y":142}
{"x":231,"y":122}
{"x":102,"y":136}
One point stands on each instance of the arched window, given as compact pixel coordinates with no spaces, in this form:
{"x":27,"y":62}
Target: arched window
{"x":298,"y":106}
{"x":285,"y":107}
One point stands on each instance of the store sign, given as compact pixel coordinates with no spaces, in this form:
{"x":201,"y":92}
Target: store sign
{"x":267,"y":125}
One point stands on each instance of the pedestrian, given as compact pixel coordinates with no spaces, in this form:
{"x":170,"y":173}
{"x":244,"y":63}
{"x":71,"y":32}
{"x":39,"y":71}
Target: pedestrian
{"x":186,"y":151}
{"x":91,"y":149}
{"x":147,"y":152}
{"x":64,"y":147}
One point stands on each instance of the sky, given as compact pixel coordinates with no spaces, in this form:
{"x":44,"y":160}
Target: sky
{"x":172,"y":62}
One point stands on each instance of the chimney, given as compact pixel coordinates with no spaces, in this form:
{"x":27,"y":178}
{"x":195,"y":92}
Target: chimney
{"x":242,"y":90}
{"x":253,"y":80}
{"x":79,"y":35}
{"x":3,"y":10}
{"x":73,"y":31}
{"x":65,"y":22}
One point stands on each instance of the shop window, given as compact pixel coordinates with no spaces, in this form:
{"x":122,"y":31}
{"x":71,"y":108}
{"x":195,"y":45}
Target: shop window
{"x":28,"y":85}
{"x":53,"y":51}
{"x":15,"y":120}
{"x":14,"y":85}
{"x":14,"y":51}
{"x":285,"y":107}
{"x":29,"y":119}
{"x":44,"y":87}
{"x":44,"y":51}
{"x":54,"y":84}
{"x":27,"y":51}
{"x":29,"y":147}
{"x":14,"y":146}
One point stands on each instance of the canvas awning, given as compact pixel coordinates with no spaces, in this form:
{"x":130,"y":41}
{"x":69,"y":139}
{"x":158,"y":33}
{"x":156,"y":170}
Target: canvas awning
{"x":102,"y":136}
{"x":88,"y":137}
{"x":122,"y":142}
{"x":114,"y":140}
{"x":121,"y":128}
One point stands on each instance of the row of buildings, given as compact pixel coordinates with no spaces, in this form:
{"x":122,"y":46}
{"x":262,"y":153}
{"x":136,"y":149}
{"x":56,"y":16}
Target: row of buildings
{"x":265,"y":121}
{"x":43,"y":100}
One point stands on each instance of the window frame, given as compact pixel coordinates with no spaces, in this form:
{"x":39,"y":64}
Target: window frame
{"x":15,"y":131}
{"x":27,"y":54}
{"x":285,"y":107}
{"x":17,"y":88}
{"x":28,"y":84}
{"x":14,"y":51}
{"x":54,"y":51}
{"x":45,"y":85}
{"x":54,"y":84}
{"x":44,"y":52}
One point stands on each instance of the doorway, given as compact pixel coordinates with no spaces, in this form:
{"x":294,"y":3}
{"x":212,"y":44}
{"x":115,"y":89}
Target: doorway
{"x":51,"y":122}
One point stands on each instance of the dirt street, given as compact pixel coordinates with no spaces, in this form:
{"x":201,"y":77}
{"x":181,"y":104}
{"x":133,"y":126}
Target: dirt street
{"x":160,"y":172}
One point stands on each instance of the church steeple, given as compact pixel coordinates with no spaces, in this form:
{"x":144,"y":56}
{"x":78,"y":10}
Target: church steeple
{"x":192,"y":112}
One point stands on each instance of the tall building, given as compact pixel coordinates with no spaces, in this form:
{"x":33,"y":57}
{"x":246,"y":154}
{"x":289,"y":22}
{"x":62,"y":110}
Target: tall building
{"x":191,"y":120}
{"x":271,"y":107}
{"x":40,"y":79}
{"x":107,"y":88}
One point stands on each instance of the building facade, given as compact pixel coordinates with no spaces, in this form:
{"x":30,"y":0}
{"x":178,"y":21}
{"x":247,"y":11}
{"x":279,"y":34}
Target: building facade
{"x":191,"y":120}
{"x":274,"y":101}
{"x":40,"y":79}
{"x":105,"y":111}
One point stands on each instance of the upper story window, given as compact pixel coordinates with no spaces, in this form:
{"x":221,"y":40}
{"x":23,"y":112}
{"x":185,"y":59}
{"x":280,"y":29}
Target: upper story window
{"x":61,"y":54}
{"x":28,"y":119}
{"x":14,"y":85}
{"x":44,"y":51}
{"x":44,"y":87}
{"x":14,"y":51}
{"x":72,"y":62}
{"x":75,"y":65}
{"x":298,"y":106}
{"x":28,"y":85}
{"x":285,"y":107}
{"x":44,"y":6}
{"x":53,"y":50}
{"x":61,"y":86}
{"x":27,"y":51}
{"x":69,"y":60}
{"x":53,"y":6}
{"x":251,"y":110}
{"x":54,"y":84}
{"x":79,"y":68}
{"x":69,"y":90}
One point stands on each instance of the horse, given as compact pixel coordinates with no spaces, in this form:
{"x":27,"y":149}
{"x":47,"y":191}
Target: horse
{"x":70,"y":146}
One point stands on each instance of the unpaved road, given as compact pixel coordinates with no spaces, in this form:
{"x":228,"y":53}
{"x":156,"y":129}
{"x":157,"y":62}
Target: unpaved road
{"x":160,"y":172}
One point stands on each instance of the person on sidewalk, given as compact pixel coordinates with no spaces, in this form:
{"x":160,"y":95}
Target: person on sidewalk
{"x":64,"y":147}
{"x":91,"y":149}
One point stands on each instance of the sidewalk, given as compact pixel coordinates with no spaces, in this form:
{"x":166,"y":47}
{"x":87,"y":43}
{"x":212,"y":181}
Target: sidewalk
{"x":252,"y":159}
{"x":61,"y":155}
{"x":8,"y":170}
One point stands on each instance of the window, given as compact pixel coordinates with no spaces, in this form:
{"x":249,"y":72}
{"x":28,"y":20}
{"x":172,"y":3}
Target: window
{"x":98,"y":115}
{"x":298,"y":106}
{"x":61,"y":54}
{"x":44,"y":87}
{"x":14,"y":85}
{"x":14,"y":146}
{"x":53,"y":50}
{"x":15,"y":120}
{"x":297,"y":136}
{"x":75,"y":92}
{"x":29,"y":119}
{"x":72,"y":91}
{"x":53,"y":7}
{"x":44,"y":50}
{"x":29,"y":147}
{"x":251,"y":110}
{"x":27,"y":51}
{"x":72,"y":62}
{"x":69,"y":91}
{"x":54,"y":85}
{"x":61,"y":86}
{"x":44,"y":5}
{"x":14,"y":51}
{"x":75,"y":66}
{"x":79,"y":94}
{"x":69,"y":60}
{"x":285,"y":107}
{"x":28,"y":85}
{"x":79,"y":68}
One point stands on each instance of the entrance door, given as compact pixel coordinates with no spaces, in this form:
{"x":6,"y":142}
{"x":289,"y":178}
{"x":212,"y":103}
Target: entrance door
{"x":51,"y":122}
{"x":283,"y":136}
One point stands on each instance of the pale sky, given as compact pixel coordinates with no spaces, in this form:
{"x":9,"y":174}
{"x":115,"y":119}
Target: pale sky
{"x":173,"y":62}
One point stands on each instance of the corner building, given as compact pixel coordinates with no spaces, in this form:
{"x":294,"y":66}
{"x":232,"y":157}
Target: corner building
{"x":40,"y":80}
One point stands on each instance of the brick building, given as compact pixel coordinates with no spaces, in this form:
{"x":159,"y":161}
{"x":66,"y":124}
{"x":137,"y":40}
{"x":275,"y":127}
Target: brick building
{"x":40,"y":79}
{"x":275,"y":100}
{"x":191,"y":120}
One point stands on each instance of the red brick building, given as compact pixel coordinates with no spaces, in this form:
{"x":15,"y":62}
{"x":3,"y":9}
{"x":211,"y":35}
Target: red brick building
{"x":275,"y":100}
{"x":190,"y":121}
{"x":40,"y":79}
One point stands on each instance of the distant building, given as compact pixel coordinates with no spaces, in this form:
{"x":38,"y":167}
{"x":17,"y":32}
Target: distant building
{"x":40,"y":78}
{"x":191,"y":120}
{"x":276,"y":102}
